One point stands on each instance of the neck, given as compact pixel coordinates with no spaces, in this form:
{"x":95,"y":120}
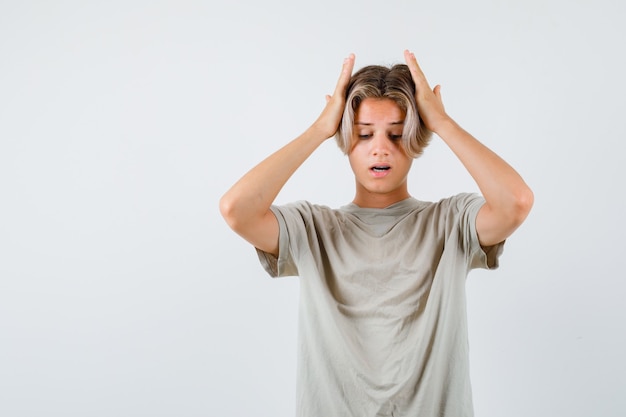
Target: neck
{"x":366,"y":199}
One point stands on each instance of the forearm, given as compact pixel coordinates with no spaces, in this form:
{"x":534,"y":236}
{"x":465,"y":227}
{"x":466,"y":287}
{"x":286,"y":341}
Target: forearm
{"x":502,"y":187}
{"x":251,"y":197}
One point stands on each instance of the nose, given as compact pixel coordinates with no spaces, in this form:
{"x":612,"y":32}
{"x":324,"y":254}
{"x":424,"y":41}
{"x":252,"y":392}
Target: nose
{"x":380,"y":145}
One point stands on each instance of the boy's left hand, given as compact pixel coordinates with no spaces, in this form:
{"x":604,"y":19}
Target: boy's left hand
{"x":429,"y":103}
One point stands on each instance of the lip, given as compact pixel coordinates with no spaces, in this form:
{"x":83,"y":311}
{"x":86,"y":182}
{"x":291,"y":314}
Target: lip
{"x":381,"y":173}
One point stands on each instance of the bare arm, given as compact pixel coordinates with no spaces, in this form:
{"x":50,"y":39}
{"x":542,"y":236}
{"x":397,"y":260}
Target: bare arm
{"x":508,"y":199}
{"x":246,"y":205}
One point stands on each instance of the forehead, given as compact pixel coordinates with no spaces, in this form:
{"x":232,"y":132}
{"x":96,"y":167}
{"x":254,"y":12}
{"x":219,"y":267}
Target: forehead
{"x":378,"y":111}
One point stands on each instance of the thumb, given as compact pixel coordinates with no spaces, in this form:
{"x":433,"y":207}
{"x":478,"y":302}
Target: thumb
{"x":437,"y":91}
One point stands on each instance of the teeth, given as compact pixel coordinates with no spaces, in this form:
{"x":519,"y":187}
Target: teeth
{"x":380,"y":168}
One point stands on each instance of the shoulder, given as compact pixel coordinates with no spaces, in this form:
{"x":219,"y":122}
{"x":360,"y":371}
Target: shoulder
{"x":304,"y":206}
{"x":453,"y":210}
{"x":461,"y":202}
{"x":307,"y":211}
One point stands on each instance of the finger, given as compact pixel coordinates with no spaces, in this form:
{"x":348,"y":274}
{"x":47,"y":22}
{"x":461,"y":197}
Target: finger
{"x":416,"y":72}
{"x":437,"y":91}
{"x":346,"y":73}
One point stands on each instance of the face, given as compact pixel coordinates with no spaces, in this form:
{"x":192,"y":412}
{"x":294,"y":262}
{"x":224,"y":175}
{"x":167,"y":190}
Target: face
{"x":377,"y":158}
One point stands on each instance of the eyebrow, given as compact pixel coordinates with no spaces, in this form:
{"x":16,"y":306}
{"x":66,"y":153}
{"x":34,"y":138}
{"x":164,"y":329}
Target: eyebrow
{"x":401,"y":122}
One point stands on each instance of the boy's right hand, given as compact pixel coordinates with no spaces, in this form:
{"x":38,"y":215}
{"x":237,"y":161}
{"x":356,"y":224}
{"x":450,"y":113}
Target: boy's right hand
{"x":328,"y":122}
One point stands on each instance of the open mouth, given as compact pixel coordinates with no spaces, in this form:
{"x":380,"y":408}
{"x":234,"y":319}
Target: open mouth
{"x":380,"y":168}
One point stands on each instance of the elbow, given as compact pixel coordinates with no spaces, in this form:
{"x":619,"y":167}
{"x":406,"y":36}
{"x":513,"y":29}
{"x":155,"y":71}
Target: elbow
{"x":501,"y":220}
{"x":236,"y":212}
{"x":523,"y":202}
{"x":228,"y":210}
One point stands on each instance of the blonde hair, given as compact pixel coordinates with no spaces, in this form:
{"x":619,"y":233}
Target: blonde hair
{"x":394,"y":83}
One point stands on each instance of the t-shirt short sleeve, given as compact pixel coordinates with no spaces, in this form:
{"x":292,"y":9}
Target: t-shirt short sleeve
{"x":283,"y":265}
{"x":479,"y":257}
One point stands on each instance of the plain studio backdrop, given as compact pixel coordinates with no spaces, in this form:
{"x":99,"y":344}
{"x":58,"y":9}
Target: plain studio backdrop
{"x":123,"y":292}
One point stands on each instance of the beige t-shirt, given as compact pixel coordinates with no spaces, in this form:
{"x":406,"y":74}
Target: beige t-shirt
{"x":382,"y":320}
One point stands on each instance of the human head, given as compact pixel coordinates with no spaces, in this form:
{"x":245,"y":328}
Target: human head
{"x":394,"y":83}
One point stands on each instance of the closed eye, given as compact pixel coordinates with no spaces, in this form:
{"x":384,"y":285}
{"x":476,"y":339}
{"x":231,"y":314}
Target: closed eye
{"x":365,"y":136}
{"x":395,"y":137}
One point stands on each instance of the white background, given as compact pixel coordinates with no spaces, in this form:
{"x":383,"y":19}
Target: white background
{"x":122,"y":291}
